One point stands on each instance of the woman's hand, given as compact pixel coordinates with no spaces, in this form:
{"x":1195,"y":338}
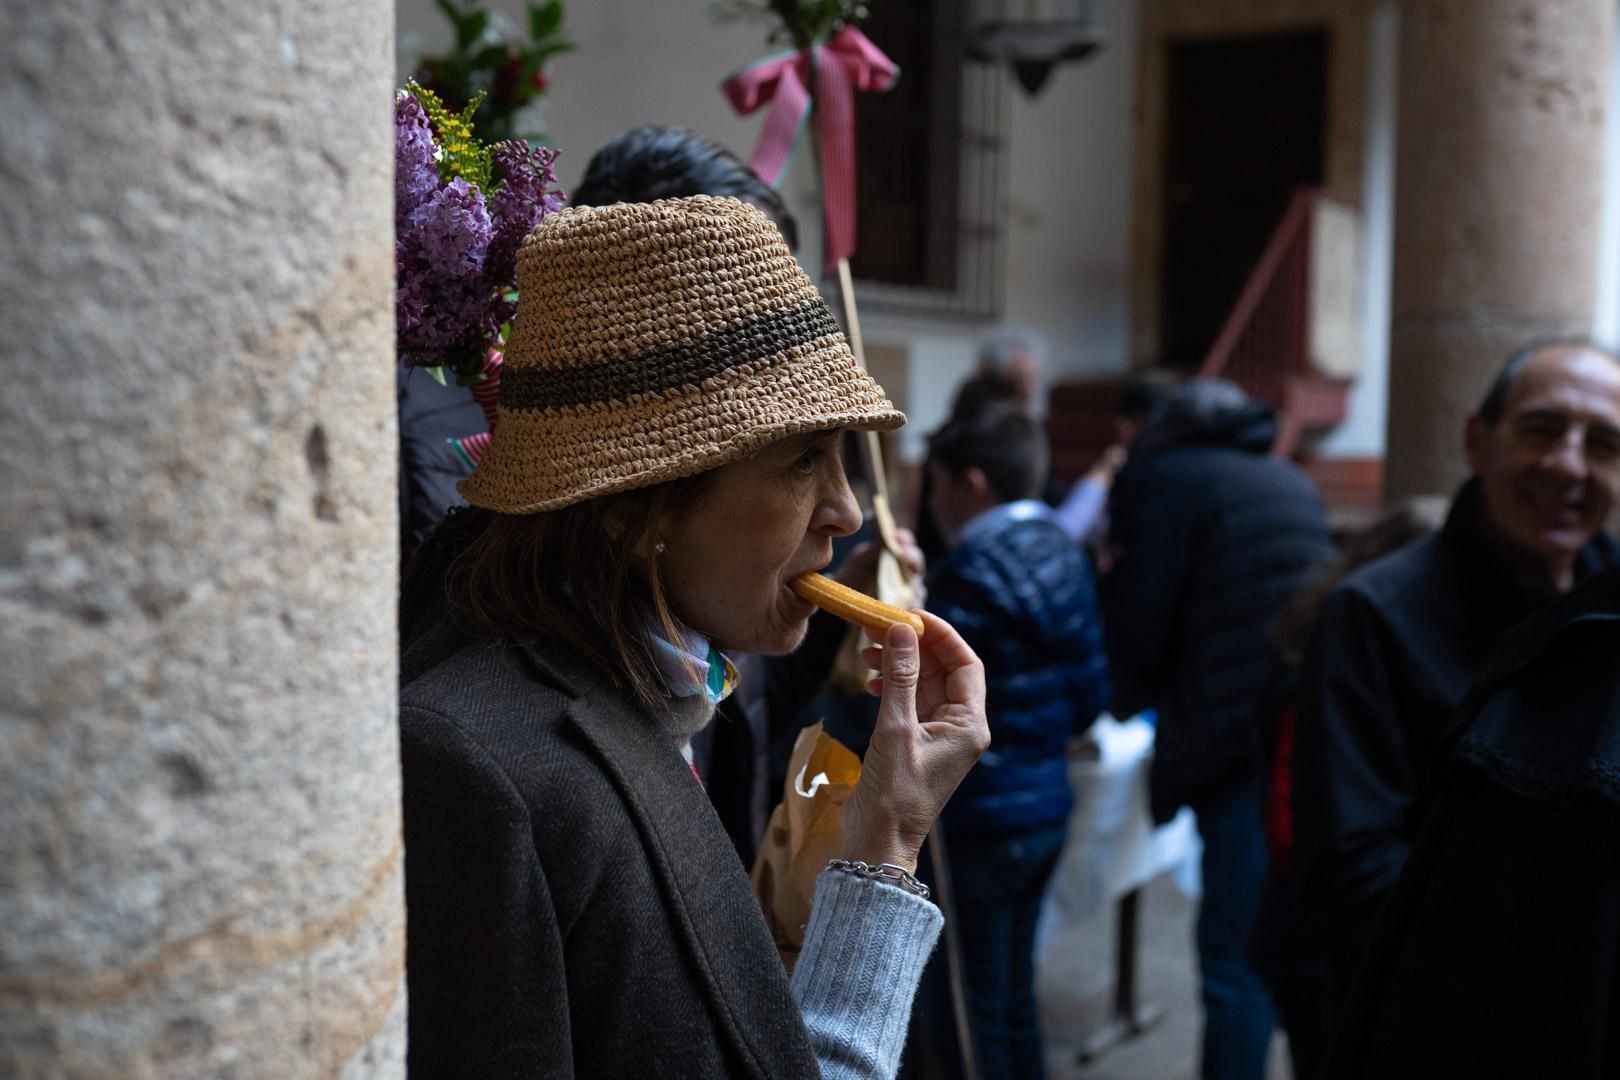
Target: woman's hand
{"x":929,"y":732}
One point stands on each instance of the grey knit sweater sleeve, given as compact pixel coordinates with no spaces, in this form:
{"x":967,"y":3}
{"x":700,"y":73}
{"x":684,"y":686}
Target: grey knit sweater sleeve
{"x":864,"y":950}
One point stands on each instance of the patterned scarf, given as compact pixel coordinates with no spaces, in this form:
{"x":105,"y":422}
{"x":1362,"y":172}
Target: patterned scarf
{"x":694,"y":666}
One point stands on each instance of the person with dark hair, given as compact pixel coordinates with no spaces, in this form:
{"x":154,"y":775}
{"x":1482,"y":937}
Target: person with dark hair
{"x":1287,"y":955}
{"x":1399,"y":642}
{"x":1010,"y":371}
{"x":1211,"y":534}
{"x":647,"y":163}
{"x":664,"y":465}
{"x":655,"y":161}
{"x":1498,"y":952}
{"x":1021,"y":594}
{"x":982,"y":391}
{"x":1139,"y":399}
{"x":1018,"y":357}
{"x":658,"y":162}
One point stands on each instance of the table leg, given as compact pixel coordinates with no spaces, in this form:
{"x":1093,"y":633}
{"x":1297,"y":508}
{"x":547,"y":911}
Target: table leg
{"x":1128,"y":1019}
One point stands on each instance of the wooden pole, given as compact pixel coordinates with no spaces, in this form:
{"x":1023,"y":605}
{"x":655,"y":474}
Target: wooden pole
{"x":871,"y":443}
{"x":893,"y":579}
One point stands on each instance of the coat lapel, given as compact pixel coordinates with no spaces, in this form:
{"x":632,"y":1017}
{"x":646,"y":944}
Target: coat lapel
{"x":724,"y":932}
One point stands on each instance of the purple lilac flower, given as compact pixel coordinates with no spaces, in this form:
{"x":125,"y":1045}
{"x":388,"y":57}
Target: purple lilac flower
{"x":442,"y":306}
{"x":528,"y":193}
{"x":415,"y":174}
{"x":455,"y":255}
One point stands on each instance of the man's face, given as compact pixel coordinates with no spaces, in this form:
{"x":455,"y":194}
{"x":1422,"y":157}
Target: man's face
{"x":1550,"y":467}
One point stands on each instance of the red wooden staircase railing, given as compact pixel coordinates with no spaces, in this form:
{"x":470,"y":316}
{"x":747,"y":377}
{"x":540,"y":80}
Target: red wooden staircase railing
{"x":1264,"y":346}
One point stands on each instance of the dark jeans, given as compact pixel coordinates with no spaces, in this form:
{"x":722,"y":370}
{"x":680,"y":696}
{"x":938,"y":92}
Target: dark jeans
{"x":998,"y":883}
{"x":1237,"y":1013}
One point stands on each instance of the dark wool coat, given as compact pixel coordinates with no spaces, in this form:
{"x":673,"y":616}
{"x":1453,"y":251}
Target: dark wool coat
{"x":1498,"y":955}
{"x":573,"y":906}
{"x":1022,"y":597}
{"x":1213,"y":534}
{"x":1395,"y":649}
{"x":733,"y":754}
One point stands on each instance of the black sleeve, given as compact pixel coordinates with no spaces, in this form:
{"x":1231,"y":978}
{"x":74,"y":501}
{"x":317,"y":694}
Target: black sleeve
{"x":1353,"y":784}
{"x":484,"y":961}
{"x":1141,"y":593}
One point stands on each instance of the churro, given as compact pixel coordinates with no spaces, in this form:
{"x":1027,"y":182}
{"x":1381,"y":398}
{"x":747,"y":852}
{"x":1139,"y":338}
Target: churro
{"x":854,"y":606}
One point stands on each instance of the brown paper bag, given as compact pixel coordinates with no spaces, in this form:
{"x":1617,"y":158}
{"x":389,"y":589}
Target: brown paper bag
{"x":803,"y":834}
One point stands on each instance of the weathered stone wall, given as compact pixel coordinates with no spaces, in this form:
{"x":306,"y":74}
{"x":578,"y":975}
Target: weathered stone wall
{"x":1498,"y":193}
{"x":200,"y":863}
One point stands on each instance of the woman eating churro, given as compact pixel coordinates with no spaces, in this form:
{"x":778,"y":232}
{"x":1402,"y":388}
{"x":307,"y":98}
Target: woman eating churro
{"x":664,"y":467}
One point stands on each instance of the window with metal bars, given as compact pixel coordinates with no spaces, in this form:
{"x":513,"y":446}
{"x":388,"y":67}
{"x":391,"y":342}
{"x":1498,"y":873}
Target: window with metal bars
{"x":930,"y":169}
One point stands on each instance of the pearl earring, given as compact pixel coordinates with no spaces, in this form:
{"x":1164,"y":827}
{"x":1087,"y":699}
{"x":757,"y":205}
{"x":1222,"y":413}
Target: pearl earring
{"x":659,"y":547}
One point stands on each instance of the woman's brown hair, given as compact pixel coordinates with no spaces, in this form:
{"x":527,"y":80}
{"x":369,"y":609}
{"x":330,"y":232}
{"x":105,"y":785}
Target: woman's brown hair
{"x":567,"y":577}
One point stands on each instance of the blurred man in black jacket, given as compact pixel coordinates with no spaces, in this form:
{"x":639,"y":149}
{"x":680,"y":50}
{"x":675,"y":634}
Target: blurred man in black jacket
{"x":1498,"y":953}
{"x":1399,"y":643}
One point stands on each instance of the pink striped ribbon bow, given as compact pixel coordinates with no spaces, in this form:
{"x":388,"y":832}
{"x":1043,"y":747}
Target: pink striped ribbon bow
{"x":846,"y":62}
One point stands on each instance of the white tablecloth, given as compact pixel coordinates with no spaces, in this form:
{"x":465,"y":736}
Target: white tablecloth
{"x":1113,"y":846}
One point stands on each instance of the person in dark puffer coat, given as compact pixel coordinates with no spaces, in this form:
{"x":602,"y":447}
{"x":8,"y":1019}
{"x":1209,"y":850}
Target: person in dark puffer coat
{"x":1211,"y":534}
{"x":1020,"y":590}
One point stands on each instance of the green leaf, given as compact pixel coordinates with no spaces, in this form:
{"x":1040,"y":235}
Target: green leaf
{"x":437,"y":371}
{"x":552,"y":49}
{"x":490,"y":58}
{"x":470,"y":29}
{"x":545,"y":19}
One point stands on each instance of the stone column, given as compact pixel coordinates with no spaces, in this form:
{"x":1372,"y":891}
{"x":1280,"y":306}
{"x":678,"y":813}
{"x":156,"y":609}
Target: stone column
{"x":200,"y":859}
{"x":1498,"y":186}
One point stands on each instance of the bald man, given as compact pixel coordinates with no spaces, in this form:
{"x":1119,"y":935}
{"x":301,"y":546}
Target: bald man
{"x":1399,"y":643}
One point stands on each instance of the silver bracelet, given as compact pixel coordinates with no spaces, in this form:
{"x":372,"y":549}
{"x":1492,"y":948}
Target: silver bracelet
{"x":894,"y":875}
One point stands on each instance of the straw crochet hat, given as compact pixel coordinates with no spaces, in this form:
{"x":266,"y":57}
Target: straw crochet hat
{"x":659,"y":340}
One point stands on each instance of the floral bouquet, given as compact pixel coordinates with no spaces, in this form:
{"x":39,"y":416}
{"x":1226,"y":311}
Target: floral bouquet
{"x":461,"y":210}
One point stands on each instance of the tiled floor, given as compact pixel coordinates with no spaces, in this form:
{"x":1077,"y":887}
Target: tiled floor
{"x":1075,"y":985}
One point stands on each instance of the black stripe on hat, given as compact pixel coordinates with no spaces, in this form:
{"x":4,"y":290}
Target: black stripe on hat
{"x":756,"y":338}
